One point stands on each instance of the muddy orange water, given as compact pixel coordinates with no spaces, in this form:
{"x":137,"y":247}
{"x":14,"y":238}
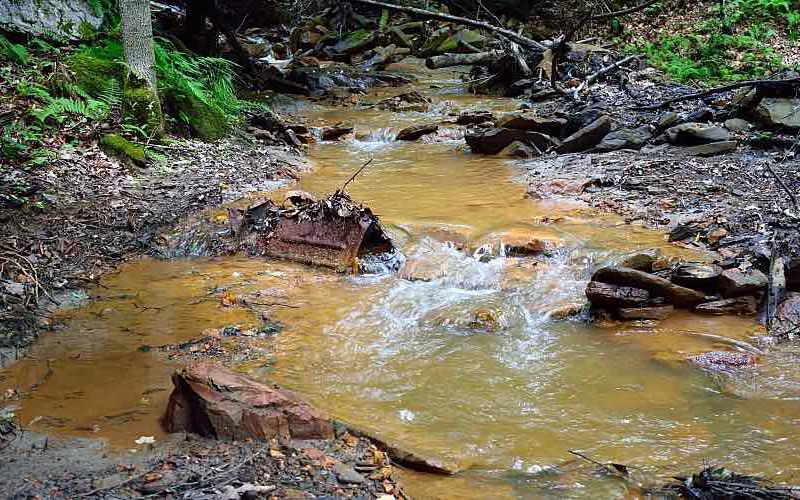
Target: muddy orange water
{"x":407,"y":360}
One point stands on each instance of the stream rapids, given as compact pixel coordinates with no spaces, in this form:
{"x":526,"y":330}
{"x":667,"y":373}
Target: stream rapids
{"x":465,"y":362}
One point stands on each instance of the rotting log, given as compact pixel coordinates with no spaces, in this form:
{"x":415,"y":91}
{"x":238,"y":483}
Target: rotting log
{"x":425,"y":14}
{"x":446,"y":60}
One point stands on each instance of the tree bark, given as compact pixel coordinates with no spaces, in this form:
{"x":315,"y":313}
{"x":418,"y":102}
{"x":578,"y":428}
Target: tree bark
{"x":137,"y":40}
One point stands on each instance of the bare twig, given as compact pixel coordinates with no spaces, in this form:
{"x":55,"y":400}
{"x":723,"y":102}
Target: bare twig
{"x":719,"y":90}
{"x":353,"y":177}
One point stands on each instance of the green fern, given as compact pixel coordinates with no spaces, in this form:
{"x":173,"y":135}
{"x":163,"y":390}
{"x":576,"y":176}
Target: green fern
{"x":14,"y":52}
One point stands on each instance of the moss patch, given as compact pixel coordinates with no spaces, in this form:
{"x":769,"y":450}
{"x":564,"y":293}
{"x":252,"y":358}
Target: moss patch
{"x":142,"y":104}
{"x":207,"y":123}
{"x":117,"y":145}
{"x":93,"y":73}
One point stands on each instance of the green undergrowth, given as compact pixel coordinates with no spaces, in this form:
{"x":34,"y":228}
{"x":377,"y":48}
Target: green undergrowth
{"x":731,"y":42}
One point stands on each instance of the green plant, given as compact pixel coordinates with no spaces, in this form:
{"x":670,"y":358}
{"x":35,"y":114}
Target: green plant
{"x":13,"y":52}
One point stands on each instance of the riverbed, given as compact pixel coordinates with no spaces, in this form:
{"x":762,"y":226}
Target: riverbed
{"x":468,"y":364}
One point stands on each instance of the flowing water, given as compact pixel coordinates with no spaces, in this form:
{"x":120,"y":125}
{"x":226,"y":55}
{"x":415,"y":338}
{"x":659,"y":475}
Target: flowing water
{"x":468,"y":366}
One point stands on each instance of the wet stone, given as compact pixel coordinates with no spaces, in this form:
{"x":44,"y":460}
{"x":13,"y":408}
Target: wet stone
{"x":606,"y":295}
{"x":721,"y":360}
{"x":493,"y":141}
{"x":414,"y":132}
{"x":642,"y":260}
{"x":697,"y":275}
{"x":530,"y":121}
{"x":587,"y":137}
{"x":625,"y":138}
{"x":741,"y":306}
{"x":347,"y":474}
{"x":624,"y":276}
{"x":693,"y":134}
{"x":474,"y":117}
{"x":735,"y":282}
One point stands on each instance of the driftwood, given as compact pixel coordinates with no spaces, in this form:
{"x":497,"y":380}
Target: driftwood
{"x":446,"y":60}
{"x":425,"y":14}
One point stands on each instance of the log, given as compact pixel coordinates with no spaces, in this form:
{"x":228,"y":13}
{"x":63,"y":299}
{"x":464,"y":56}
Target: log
{"x":425,"y":14}
{"x":446,"y":60}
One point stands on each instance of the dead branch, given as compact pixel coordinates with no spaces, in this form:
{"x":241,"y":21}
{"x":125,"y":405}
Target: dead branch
{"x":353,"y":177}
{"x":725,"y":88}
{"x":424,"y":14}
{"x":603,"y":71}
{"x":783,"y":185}
{"x":446,"y":60}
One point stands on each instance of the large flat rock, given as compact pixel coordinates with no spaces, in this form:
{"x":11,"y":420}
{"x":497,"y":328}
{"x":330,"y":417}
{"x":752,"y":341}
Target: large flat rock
{"x":625,"y":276}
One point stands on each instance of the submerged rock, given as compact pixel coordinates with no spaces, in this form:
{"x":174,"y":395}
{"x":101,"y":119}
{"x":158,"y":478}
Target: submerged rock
{"x":624,"y":276}
{"x":528,"y":242}
{"x":651,"y":312}
{"x":642,"y":260}
{"x":722,"y":360}
{"x":474,"y":117}
{"x":213,"y":401}
{"x":606,"y":295}
{"x":743,"y":306}
{"x":586,"y":137}
{"x":408,"y":101}
{"x":414,"y":132}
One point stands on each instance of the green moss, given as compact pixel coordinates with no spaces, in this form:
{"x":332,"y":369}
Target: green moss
{"x":143,"y":105}
{"x":207,"y":122}
{"x":120,"y":146}
{"x":92,"y":73}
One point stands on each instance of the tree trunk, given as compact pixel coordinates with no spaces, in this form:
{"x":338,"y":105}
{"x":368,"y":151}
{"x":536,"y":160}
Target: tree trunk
{"x":137,"y":39}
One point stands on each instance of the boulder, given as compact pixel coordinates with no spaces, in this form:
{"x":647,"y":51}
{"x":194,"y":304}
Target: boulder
{"x":697,"y":275}
{"x":605,"y":295}
{"x":492,"y":141}
{"x":625,"y":138}
{"x":742,"y":306}
{"x":518,"y":150}
{"x":625,"y":276}
{"x":642,"y":260}
{"x":667,"y":119}
{"x":586,"y":137}
{"x":474,"y":117}
{"x":334,"y":133}
{"x":414,"y":132}
{"x":408,"y":101}
{"x":652,"y":312}
{"x":530,"y":121}
{"x":789,"y":308}
{"x":692,"y":134}
{"x":213,"y":401}
{"x":737,"y":125}
{"x":735,"y":282}
{"x":779,"y":112}
{"x":519,"y":87}
{"x":50,"y":18}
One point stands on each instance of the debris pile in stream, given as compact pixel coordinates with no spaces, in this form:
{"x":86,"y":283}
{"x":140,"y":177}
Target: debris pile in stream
{"x":718,"y":482}
{"x":332,"y":232}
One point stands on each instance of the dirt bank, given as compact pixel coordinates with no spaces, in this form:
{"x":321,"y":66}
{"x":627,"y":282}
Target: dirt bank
{"x":101,"y":212}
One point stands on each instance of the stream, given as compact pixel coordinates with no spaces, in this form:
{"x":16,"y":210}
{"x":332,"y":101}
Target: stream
{"x":505,"y":398}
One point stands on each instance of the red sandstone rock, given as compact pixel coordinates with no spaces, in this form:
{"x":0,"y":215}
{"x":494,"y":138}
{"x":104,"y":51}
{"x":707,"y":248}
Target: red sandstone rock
{"x":213,"y":401}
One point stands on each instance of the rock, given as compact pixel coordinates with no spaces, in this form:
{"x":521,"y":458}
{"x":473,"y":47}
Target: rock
{"x":526,"y":242}
{"x":409,"y":101}
{"x":652,"y":312}
{"x":703,"y":115}
{"x":474,"y":117}
{"x":742,"y":306}
{"x":587,"y":137}
{"x":625,"y":138}
{"x":606,"y":295}
{"x":737,"y":125}
{"x":518,"y":150}
{"x":346,"y":474}
{"x":50,"y":18}
{"x":492,"y":141}
{"x":693,"y":134}
{"x":666,"y":120}
{"x":624,"y":276}
{"x":212,"y":401}
{"x":642,"y":260}
{"x":406,"y":458}
{"x":566,"y":310}
{"x":793,"y":274}
{"x":722,"y":360}
{"x":532,"y":122}
{"x":789,"y":308}
{"x":519,"y":87}
{"x":334,"y":133}
{"x":697,"y":275}
{"x":735,"y":282}
{"x":711,"y":149}
{"x":414,"y":132}
{"x":780,"y":112}
{"x":715,"y":235}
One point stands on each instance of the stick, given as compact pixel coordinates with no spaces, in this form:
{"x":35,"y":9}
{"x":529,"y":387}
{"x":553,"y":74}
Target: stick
{"x":352,"y":177}
{"x":446,"y":60}
{"x":593,"y":77}
{"x":520,"y":39}
{"x":783,"y":185}
{"x":718,"y":90}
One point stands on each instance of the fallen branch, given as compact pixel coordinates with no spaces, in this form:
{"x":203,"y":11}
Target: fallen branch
{"x":425,"y":14}
{"x":604,"y":71}
{"x":446,"y":60}
{"x":718,"y":90}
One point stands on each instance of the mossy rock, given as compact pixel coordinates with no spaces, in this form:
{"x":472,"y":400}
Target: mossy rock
{"x":143,"y":105}
{"x":93,"y":73}
{"x":207,"y":123}
{"x":119,"y":146}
